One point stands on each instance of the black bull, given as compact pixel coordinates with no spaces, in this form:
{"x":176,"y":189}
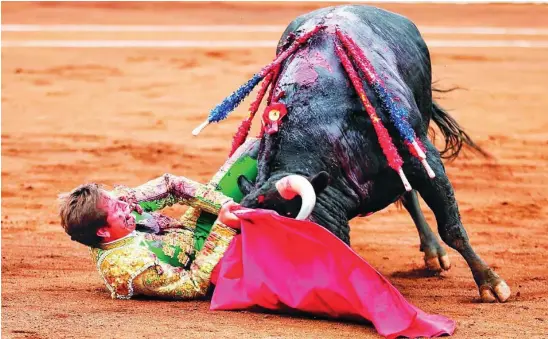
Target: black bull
{"x":327,"y":137}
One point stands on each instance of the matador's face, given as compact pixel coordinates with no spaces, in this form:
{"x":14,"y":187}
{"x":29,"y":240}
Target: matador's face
{"x":119,"y":218}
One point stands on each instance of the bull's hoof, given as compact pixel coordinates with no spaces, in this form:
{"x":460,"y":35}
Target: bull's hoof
{"x":435,"y":258}
{"x":494,"y":289}
{"x":438,"y":264}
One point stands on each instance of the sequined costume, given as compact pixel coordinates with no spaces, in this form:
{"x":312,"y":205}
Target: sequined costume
{"x":161,"y":265}
{"x":164,"y":265}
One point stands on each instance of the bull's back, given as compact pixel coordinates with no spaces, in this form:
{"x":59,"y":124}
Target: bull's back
{"x":326,"y":126}
{"x":390,"y":41}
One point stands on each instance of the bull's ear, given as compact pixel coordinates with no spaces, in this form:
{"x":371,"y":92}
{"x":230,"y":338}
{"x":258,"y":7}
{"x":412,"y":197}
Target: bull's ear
{"x":320,"y":181}
{"x":245,"y":185}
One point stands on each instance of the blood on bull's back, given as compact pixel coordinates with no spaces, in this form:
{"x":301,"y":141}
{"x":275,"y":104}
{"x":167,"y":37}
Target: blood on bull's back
{"x":326,"y":125}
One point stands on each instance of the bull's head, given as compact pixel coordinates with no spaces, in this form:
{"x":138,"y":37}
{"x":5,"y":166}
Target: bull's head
{"x":292,"y":196}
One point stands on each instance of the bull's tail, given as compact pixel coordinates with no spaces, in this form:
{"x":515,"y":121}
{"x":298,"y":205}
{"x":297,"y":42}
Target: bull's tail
{"x":455,"y":137}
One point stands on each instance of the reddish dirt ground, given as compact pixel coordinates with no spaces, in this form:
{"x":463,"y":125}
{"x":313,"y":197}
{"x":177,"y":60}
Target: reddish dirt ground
{"x":125,"y":116}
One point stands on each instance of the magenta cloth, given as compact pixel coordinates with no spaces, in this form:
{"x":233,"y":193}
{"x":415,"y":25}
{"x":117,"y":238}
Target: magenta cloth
{"x":284,"y":264}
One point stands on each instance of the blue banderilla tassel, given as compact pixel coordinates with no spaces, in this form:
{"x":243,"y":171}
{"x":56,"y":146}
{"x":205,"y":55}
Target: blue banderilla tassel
{"x":398,"y":114}
{"x":222,"y":110}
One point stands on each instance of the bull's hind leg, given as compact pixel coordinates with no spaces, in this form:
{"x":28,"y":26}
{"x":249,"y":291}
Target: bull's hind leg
{"x":435,"y":257}
{"x":439,"y":195}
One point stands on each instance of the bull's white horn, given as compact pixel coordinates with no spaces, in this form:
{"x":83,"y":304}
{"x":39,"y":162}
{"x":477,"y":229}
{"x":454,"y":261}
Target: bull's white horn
{"x":293,"y":185}
{"x":198,"y":129}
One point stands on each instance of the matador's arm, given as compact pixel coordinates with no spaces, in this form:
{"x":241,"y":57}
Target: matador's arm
{"x":166,"y":281}
{"x":170,"y":189}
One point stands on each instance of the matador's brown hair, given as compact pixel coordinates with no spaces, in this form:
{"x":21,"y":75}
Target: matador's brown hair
{"x":80,"y":215}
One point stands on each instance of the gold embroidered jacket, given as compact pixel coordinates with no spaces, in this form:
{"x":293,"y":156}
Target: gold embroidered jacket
{"x":131,"y":266}
{"x":164,"y":265}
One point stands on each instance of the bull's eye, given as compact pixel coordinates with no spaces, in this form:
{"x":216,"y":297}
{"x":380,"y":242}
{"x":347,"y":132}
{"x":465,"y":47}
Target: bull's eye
{"x":260,"y":199}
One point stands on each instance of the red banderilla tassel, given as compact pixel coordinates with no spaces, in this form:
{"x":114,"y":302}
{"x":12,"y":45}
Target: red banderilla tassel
{"x":245,"y":126}
{"x":416,"y":148}
{"x":385,"y":141}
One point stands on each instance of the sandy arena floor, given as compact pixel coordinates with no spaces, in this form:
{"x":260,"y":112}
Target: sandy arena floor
{"x":124,"y":115}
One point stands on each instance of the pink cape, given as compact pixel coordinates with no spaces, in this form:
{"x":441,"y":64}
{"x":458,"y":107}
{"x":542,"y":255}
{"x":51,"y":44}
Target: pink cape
{"x":283,"y":264}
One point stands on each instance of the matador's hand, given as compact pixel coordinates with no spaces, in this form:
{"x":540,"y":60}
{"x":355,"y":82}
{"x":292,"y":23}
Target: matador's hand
{"x":125,"y":194}
{"x":133,"y":205}
{"x":227,"y":217}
